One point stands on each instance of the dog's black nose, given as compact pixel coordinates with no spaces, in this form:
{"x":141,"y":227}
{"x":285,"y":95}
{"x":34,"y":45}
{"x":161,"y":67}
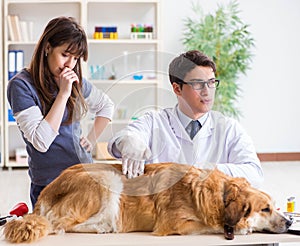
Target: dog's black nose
{"x":288,"y":223}
{"x":228,"y":232}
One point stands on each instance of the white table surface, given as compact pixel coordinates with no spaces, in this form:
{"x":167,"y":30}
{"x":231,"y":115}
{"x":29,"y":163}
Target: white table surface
{"x":140,"y":238}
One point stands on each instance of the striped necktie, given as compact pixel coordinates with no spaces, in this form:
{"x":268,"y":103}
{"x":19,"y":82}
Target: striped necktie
{"x":195,"y":127}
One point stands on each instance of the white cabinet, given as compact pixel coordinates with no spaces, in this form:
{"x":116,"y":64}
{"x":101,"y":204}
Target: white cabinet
{"x":125,"y":58}
{"x":114,"y":65}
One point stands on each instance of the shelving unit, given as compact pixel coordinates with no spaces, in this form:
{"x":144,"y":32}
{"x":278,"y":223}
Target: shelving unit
{"x":122,"y":58}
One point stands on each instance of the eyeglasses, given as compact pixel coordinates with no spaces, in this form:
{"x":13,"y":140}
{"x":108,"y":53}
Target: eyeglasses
{"x":199,"y":84}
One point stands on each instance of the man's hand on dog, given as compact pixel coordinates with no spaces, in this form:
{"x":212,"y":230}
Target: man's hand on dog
{"x":134,"y":154}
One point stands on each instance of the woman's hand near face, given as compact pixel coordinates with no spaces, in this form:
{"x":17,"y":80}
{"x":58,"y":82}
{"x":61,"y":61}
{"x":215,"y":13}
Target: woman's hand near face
{"x":66,"y":79}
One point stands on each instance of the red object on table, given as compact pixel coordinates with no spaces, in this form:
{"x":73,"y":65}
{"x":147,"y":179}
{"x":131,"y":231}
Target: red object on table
{"x":20,"y":209}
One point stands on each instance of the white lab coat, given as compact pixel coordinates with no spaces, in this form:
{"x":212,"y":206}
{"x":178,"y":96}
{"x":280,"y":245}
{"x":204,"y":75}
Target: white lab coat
{"x":220,"y":142}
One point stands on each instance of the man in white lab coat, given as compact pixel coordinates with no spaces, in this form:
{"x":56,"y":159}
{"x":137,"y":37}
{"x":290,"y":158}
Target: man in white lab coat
{"x":190,"y":133}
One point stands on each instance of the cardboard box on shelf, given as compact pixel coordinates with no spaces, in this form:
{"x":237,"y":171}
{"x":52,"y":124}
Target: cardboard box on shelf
{"x":102,"y":153}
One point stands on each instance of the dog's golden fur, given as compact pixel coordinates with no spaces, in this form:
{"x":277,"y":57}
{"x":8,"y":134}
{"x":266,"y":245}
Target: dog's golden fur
{"x":168,"y":199}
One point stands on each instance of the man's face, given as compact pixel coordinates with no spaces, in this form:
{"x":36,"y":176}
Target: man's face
{"x":195,"y":103}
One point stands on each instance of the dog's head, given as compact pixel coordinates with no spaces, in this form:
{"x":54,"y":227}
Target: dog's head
{"x":248,"y":209}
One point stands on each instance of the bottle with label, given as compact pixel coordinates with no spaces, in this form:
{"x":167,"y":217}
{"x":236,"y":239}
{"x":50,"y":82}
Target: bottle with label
{"x":290,"y":206}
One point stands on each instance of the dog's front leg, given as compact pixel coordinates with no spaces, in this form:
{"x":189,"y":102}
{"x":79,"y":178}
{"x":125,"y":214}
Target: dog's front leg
{"x":185,"y":227}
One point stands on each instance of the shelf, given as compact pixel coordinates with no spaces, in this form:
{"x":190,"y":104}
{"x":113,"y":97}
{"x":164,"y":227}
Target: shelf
{"x":21,"y":43}
{"x":13,"y":163}
{"x":126,"y":82}
{"x":114,"y":121}
{"x":120,"y":121}
{"x":42,"y":1}
{"x":123,"y":41}
{"x":122,"y":1}
{"x":11,"y":123}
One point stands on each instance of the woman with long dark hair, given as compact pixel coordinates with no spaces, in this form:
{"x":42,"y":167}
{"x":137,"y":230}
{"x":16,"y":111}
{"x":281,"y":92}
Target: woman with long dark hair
{"x":50,"y":97}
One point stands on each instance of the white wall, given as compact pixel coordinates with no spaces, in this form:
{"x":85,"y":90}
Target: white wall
{"x":271,"y":89}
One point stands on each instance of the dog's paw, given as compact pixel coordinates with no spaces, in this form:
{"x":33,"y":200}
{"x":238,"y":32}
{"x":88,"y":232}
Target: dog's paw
{"x":157,"y":233}
{"x":243,"y":231}
{"x":59,"y":231}
{"x":102,"y":228}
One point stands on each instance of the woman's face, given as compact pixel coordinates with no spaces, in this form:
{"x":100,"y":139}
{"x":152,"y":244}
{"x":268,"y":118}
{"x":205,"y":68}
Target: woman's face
{"x":58,"y":59}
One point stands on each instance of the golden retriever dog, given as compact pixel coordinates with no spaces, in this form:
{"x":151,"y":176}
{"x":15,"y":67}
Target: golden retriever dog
{"x":168,"y":199}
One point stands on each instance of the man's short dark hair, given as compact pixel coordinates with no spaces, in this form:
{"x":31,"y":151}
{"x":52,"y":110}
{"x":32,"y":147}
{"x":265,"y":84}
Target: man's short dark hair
{"x":187,"y":61}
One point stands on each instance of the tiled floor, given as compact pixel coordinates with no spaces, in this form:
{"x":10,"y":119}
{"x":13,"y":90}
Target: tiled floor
{"x":281,"y":181}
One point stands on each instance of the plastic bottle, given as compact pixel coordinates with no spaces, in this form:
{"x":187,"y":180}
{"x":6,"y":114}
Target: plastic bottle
{"x":290,"y":206}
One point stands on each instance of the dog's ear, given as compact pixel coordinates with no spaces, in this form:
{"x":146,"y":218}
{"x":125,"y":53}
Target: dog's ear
{"x":235,"y":201}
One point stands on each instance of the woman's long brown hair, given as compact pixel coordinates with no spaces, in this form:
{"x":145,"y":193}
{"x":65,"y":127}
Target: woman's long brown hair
{"x":60,"y":31}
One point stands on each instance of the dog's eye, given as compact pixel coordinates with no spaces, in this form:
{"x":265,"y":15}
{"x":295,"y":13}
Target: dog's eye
{"x":267,"y":210}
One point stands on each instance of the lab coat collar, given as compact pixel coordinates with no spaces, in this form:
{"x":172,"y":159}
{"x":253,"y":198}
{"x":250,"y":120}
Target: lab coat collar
{"x":180,"y":131}
{"x":185,"y":120}
{"x":206,"y":129}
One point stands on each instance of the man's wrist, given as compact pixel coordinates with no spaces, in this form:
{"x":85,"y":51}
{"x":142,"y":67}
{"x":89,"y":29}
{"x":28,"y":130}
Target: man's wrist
{"x":115,"y":151}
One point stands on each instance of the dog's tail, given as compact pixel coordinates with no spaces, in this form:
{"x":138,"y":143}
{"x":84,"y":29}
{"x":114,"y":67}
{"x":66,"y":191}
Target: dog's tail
{"x":27,"y":229}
